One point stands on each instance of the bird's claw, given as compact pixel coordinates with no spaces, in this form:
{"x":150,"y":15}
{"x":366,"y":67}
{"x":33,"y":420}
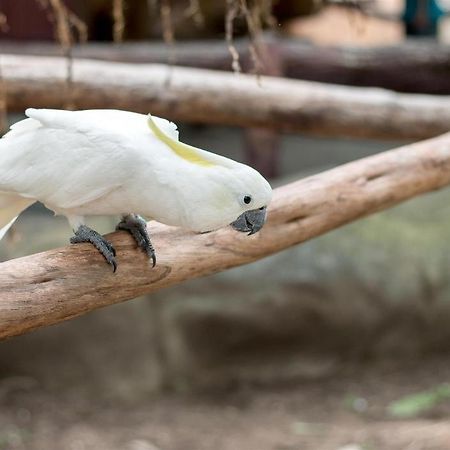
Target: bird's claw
{"x":86,"y":234}
{"x":137,"y":227}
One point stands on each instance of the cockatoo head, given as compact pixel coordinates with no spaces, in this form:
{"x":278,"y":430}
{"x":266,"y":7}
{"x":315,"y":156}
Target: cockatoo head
{"x":214,"y":191}
{"x":253,"y":194}
{"x":236,"y":195}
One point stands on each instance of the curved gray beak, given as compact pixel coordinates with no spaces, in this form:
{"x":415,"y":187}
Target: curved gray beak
{"x":250,"y":221}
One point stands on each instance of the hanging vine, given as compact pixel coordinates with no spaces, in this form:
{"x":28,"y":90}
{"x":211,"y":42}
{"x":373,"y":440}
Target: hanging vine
{"x":119,"y":20}
{"x":257,"y":14}
{"x":194,"y":12}
{"x":69,"y":28}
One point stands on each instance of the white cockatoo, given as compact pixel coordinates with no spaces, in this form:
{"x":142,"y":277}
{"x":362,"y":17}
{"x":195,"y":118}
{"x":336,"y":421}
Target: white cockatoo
{"x":110,"y":162}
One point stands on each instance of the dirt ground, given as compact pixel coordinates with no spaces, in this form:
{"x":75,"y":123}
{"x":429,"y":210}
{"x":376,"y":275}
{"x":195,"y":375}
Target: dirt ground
{"x":345,"y":411}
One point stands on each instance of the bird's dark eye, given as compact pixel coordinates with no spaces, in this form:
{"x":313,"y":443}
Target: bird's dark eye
{"x":247,"y":199}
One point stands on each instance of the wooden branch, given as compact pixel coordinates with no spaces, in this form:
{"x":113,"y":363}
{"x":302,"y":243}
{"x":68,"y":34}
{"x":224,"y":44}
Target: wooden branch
{"x":198,"y":95}
{"x":60,"y":284}
{"x":412,"y":66}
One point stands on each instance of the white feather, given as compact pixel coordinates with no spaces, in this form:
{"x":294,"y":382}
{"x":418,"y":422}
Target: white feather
{"x":10,"y":207}
{"x":7,"y":227}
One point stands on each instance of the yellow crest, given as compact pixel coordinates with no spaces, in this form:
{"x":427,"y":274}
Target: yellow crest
{"x":187,"y":152}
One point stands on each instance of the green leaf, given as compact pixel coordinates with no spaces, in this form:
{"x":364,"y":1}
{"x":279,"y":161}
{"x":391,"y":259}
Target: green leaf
{"x":415,"y":404}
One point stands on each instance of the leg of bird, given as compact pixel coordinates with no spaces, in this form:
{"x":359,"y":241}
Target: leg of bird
{"x":137,"y":227}
{"x":85,"y":234}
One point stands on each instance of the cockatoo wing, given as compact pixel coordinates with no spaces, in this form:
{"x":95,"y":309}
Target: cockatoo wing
{"x":67,"y":159}
{"x":95,"y":119}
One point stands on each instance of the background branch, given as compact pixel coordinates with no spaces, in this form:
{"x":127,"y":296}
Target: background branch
{"x":60,"y":284}
{"x":412,"y":66}
{"x":205,"y":96}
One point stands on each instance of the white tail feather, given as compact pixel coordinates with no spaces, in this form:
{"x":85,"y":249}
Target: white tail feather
{"x":11,"y":205}
{"x":6,"y":228}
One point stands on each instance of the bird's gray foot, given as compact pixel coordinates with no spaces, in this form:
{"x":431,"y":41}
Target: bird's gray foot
{"x":86,"y":234}
{"x":137,"y":227}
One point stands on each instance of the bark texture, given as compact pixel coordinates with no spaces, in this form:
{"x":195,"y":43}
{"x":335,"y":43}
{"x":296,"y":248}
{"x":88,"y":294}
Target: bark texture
{"x":60,"y":284}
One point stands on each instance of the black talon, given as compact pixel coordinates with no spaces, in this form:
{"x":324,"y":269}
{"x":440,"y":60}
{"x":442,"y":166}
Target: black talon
{"x":86,"y":234}
{"x":111,"y":248}
{"x":137,"y":227}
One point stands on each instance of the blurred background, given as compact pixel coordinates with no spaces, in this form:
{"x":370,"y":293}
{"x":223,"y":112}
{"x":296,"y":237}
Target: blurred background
{"x":341,"y":343}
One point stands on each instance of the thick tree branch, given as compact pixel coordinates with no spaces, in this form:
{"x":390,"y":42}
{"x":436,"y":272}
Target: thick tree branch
{"x":56,"y":285}
{"x":198,"y":95}
{"x":411,"y":66}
